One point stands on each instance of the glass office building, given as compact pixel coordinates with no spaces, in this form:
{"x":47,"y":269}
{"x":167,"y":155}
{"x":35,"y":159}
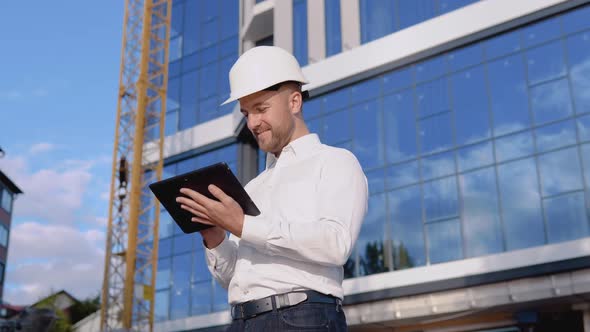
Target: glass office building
{"x":471,"y":120}
{"x":8,"y":193}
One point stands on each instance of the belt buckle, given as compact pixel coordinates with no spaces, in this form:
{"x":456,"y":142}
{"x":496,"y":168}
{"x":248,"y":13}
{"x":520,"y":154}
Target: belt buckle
{"x":237,"y":311}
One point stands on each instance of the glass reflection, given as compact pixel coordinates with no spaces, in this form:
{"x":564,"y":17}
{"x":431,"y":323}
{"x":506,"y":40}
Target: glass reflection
{"x":201,"y":296}
{"x":514,"y":146}
{"x":555,"y":135}
{"x":377,"y":19}
{"x":475,"y":156}
{"x":337,"y":127}
{"x":470,"y":103}
{"x":400,"y":126}
{"x":370,"y":243}
{"x":481,"y":218}
{"x":402,"y":174}
{"x":584,"y":128}
{"x":551,"y":101}
{"x":444,"y":241}
{"x":219,"y":298}
{"x":200,"y":270}
{"x":438,"y":165}
{"x":407,"y":229}
{"x":566,"y":217}
{"x":435,"y":133}
{"x":440,"y":199}
{"x":578,"y":50}
{"x":545,"y":62}
{"x":432,"y":97}
{"x":543,"y":31}
{"x":465,"y":57}
{"x":560,"y":172}
{"x":376,"y":180}
{"x":162,"y":303}
{"x":503,"y":44}
{"x":164,"y":273}
{"x":521,"y":204}
{"x":368,"y":143}
{"x":508,"y":92}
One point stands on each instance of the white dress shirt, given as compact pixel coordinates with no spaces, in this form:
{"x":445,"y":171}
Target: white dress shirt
{"x":313,"y":199}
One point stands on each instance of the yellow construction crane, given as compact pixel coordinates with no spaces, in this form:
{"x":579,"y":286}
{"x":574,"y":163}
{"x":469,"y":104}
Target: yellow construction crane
{"x":132,"y":235}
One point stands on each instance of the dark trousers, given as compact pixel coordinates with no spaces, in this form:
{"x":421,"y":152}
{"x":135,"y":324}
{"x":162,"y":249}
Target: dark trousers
{"x":302,"y":317}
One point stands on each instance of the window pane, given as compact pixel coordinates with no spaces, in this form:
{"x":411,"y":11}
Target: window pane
{"x":372,"y":236}
{"x":578,"y":50}
{"x":192,"y":27}
{"x":481,"y":218}
{"x":560,"y":171}
{"x":551,"y":101}
{"x":300,"y":31}
{"x":333,"y":30}
{"x":576,"y":20}
{"x":179,"y":302}
{"x":545,"y":62}
{"x":521,"y":205}
{"x":440,"y":199}
{"x":6,"y":200}
{"x":209,"y":30}
{"x":584,"y":128}
{"x":173,"y":94}
{"x":503,"y":44}
{"x":432,"y":97}
{"x":444,"y":241}
{"x":566,"y":217}
{"x":165,"y":247}
{"x":555,"y":135}
{"x":183,"y":243}
{"x":188,"y":100}
{"x":414,"y":12}
{"x":336,"y":100}
{"x":396,"y":80}
{"x":181,"y":271}
{"x":407,"y":230}
{"x":543,"y":31}
{"x":220,"y":301}
{"x":368,"y":141}
{"x":510,"y":100}
{"x":465,"y":57}
{"x":337,"y":127}
{"x":376,"y":179}
{"x":400,"y":126}
{"x":438,"y":165}
{"x":176,"y":20}
{"x":163,"y":274}
{"x":402,"y":174}
{"x":230,"y":18}
{"x":377,"y":19}
{"x":365,"y":90}
{"x":201,"y":298}
{"x":586,"y":158}
{"x":470,"y":103}
{"x":312,"y":108}
{"x":450,"y":5}
{"x":435,"y":133}
{"x":162,"y":305}
{"x":475,"y":156}
{"x":430,"y":69}
{"x":514,"y":146}
{"x":171,"y":123}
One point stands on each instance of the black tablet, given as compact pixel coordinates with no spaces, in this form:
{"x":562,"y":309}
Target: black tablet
{"x":218,"y":174}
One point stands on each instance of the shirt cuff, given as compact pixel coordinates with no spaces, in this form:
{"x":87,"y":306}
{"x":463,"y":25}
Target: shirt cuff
{"x":256,"y":230}
{"x":218,"y":253}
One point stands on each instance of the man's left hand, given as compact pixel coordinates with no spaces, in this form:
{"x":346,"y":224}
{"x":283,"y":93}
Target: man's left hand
{"x":225,"y":213}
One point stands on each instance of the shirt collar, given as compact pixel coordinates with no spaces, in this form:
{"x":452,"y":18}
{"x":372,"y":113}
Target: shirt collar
{"x":300,"y":147}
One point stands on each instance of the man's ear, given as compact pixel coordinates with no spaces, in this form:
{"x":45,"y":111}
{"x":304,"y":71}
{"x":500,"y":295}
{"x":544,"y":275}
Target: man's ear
{"x":295,"y":102}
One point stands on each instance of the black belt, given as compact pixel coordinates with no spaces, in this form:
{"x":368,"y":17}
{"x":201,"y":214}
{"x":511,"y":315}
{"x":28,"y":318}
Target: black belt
{"x":256,"y":307}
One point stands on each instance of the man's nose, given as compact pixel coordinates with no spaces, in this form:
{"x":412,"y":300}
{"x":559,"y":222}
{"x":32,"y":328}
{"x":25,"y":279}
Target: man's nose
{"x":253,"y":121}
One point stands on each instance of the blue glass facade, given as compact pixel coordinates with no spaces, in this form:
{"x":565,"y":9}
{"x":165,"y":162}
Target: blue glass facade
{"x":476,"y":151}
{"x":184,"y":286}
{"x":480,"y":150}
{"x":203,"y":46}
{"x":381,"y":17}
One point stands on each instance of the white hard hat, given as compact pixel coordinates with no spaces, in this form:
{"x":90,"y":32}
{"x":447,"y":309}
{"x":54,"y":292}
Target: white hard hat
{"x":260,"y":68}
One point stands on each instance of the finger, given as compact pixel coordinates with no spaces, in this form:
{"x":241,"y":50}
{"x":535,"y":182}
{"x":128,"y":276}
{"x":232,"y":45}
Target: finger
{"x":202,"y":221}
{"x":219,"y":194}
{"x":194,"y":212}
{"x":192,"y":204}
{"x":197,"y":197}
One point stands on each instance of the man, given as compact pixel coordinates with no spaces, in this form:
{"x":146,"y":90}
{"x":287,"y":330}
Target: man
{"x":283,"y":269}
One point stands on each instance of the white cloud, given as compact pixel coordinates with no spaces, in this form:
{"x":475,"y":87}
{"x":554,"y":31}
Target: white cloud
{"x":43,"y":258}
{"x":41,"y":148}
{"x":51,"y":194}
{"x":40,"y":92}
{"x":10,"y":95}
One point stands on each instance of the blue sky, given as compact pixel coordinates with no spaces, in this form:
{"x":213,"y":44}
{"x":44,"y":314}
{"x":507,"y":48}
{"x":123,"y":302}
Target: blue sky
{"x":59,"y":72}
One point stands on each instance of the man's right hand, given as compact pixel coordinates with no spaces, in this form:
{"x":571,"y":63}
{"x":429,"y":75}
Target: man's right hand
{"x":213,"y":236}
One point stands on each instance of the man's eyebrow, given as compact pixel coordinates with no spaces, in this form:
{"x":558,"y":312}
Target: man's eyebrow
{"x":261,"y":103}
